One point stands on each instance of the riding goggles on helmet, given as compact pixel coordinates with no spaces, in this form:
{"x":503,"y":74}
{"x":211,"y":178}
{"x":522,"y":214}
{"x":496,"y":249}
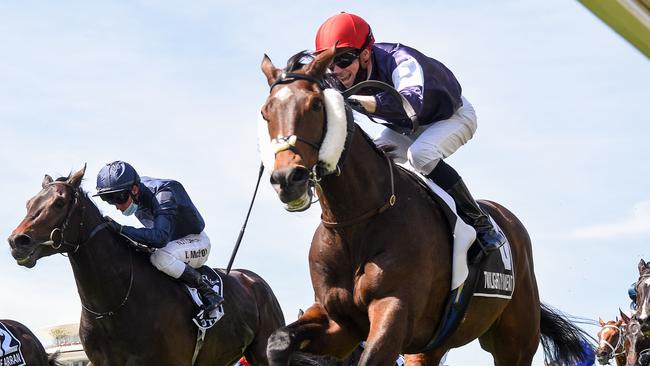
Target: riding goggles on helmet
{"x":116,"y":198}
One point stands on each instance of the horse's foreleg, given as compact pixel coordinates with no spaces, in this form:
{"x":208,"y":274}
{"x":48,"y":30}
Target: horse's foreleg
{"x":314,"y":332}
{"x":388,"y":328}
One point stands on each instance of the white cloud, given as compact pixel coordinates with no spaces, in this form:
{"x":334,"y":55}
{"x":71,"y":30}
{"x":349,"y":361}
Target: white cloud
{"x":636,"y":223}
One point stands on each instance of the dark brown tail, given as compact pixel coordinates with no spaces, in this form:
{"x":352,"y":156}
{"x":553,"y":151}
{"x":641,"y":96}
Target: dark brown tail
{"x":563,"y":341}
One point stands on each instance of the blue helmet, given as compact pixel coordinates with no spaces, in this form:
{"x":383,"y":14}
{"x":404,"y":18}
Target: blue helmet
{"x":115,"y":177}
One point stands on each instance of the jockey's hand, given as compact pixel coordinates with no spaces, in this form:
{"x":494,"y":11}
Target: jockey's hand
{"x":113,"y":225}
{"x":368,"y":102}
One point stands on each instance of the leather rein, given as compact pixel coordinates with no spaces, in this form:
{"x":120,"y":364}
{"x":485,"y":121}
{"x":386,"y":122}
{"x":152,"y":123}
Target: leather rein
{"x":61,"y":241}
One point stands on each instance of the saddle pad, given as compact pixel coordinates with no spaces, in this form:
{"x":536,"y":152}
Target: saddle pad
{"x":10,"y":353}
{"x":496,"y":277}
{"x":202,"y":320}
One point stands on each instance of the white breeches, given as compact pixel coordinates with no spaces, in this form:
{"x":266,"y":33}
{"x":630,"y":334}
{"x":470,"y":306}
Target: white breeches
{"x":192,"y":249}
{"x":424,"y":148}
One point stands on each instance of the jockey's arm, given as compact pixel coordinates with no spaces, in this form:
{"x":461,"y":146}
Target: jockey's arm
{"x":158,"y":236}
{"x":408,"y":80}
{"x":163,"y":226}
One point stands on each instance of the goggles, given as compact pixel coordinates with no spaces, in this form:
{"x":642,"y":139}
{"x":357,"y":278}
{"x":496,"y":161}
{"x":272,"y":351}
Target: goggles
{"x":345,"y":59}
{"x":116,"y":198}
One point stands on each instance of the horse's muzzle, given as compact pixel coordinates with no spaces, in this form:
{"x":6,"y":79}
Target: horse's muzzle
{"x":24,"y":250}
{"x":19,"y":241}
{"x":292,"y":186}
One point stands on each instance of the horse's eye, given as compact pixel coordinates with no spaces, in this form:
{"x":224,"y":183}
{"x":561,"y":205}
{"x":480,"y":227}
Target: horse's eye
{"x":59,"y":203}
{"x":317,"y":105}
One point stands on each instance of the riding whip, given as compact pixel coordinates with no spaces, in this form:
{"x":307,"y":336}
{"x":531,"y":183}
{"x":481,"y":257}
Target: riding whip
{"x":241,"y":232}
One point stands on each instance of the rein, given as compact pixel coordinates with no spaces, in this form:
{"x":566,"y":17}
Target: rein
{"x":389,"y":203}
{"x":99,"y":315}
{"x":408,"y":109}
{"x":61,"y":231}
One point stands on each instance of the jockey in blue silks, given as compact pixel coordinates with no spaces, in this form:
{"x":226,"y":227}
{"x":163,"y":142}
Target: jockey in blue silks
{"x":172,"y":224}
{"x":446,"y":118}
{"x":631,"y":292}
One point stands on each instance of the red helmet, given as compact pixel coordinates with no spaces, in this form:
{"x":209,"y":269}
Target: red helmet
{"x":348,"y":29}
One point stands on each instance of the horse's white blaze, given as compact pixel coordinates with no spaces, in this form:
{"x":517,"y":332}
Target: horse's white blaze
{"x":644,"y":306}
{"x":283,"y":94}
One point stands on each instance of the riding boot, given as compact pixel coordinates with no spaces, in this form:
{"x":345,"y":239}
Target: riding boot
{"x":488,"y":237}
{"x":210,"y":298}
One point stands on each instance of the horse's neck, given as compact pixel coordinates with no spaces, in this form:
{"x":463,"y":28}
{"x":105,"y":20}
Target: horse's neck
{"x":363,"y":185}
{"x":101,"y":265}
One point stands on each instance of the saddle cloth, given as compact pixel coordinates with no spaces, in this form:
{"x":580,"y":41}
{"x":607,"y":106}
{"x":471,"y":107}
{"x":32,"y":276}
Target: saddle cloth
{"x":10,"y":353}
{"x":202,"y":320}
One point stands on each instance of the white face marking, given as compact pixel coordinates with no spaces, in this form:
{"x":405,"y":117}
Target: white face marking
{"x":644,"y":306}
{"x":283,"y":94}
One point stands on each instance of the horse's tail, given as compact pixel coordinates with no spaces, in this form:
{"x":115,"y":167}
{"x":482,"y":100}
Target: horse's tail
{"x":52,"y":359}
{"x":562,"y":340}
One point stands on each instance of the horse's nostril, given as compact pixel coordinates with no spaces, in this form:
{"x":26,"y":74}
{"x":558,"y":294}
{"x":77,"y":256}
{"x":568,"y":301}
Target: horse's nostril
{"x":288,"y":177}
{"x":21,"y":240}
{"x":299,"y":175}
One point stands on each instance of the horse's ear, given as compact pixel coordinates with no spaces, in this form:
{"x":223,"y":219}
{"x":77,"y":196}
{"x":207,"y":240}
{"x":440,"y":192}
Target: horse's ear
{"x":624,"y":318}
{"x":76,"y":177}
{"x":270,"y":71}
{"x":322,"y":61}
{"x":300,"y":313}
{"x":642,"y":266}
{"x":46,"y":180}
{"x":601,"y":322}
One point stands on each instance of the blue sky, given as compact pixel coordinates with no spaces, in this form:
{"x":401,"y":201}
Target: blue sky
{"x":562,"y":138}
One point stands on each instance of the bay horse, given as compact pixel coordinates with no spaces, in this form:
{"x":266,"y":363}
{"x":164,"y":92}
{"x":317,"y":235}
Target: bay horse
{"x":380,"y":259}
{"x":611,"y":342}
{"x":132,"y":313}
{"x":32,"y":350}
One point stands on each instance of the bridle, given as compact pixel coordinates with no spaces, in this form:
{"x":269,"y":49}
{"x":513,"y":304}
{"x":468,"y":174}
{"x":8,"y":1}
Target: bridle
{"x":57,"y":235}
{"x":282,"y":143}
{"x":619,"y":342}
{"x":60,"y":231}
